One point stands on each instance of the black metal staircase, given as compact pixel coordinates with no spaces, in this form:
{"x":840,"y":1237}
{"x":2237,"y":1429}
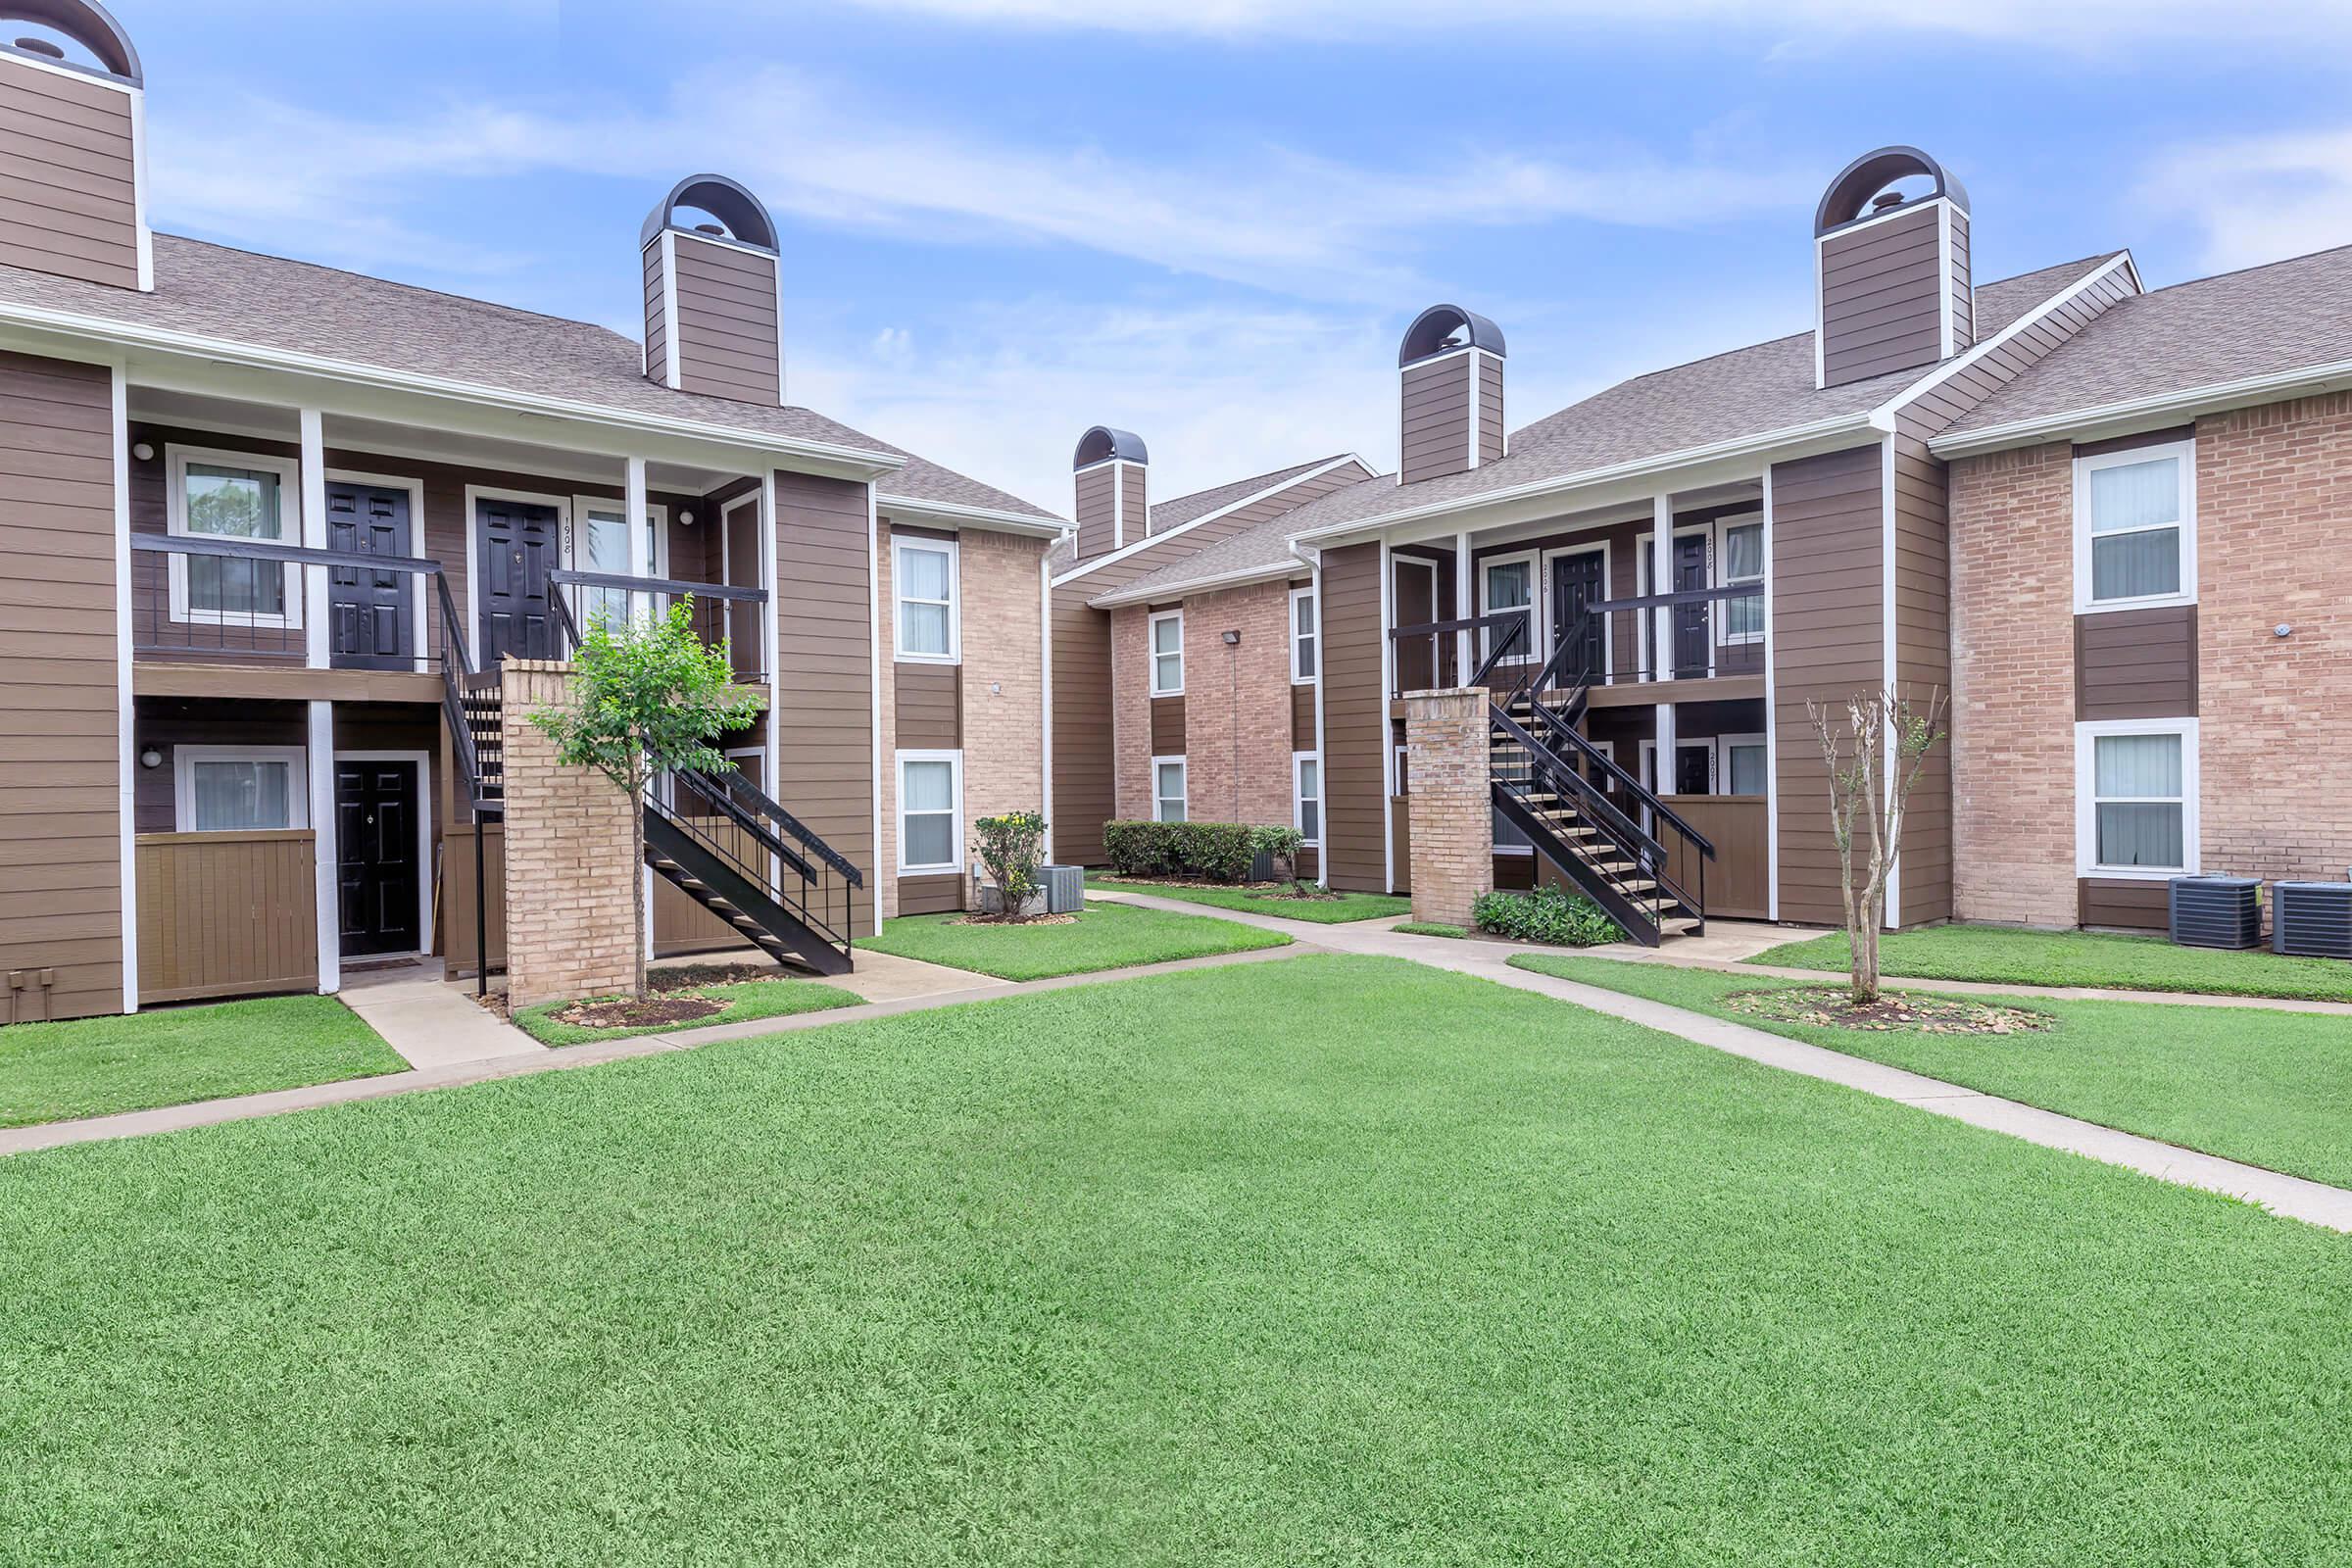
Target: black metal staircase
{"x":752,"y":864}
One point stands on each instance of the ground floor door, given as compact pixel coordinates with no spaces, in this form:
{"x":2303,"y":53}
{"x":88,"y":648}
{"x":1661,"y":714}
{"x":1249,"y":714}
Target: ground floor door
{"x":379,"y":873}
{"x":372,"y":614}
{"x":520,"y":543}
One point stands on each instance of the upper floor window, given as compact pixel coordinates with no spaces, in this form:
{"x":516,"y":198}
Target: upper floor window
{"x":922,"y":574}
{"x":231,"y":495}
{"x":2135,"y":527}
{"x":1305,"y":636}
{"x":1508,"y":582}
{"x":1743,"y":566}
{"x":1166,"y":631}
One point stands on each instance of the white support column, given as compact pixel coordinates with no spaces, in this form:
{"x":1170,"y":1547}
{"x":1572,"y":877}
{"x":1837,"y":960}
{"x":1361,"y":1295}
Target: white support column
{"x":1664,"y":782}
{"x":1772,"y":730}
{"x":127,"y":722}
{"x":314,"y":537}
{"x":1466,"y":595}
{"x":325,"y":883}
{"x":1388,"y":735}
{"x":1661,"y":581}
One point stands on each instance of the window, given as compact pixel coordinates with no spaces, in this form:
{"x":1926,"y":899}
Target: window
{"x":2135,"y":797}
{"x":1744,"y":771}
{"x":1305,"y":638}
{"x":1744,"y":564}
{"x":1403,"y":785}
{"x":930,"y":812}
{"x":230,"y":495}
{"x":1166,"y":631}
{"x":922,"y":572}
{"x":1168,"y":789}
{"x":1508,"y":582}
{"x":1306,"y":796}
{"x":602,"y":545}
{"x":2135,"y":528}
{"x":240,"y":789}
{"x":1693,"y":768}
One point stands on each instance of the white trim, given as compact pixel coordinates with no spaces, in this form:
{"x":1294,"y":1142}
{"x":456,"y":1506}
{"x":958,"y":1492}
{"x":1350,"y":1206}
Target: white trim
{"x":575,"y":528}
{"x":184,"y":758}
{"x":1724,"y":745}
{"x":1660,"y":553}
{"x":672,"y":375}
{"x":1978,"y":353}
{"x":414,"y":488}
{"x":476,"y":495}
{"x":317,"y":606}
{"x":2186,"y":453}
{"x":2153,"y":413}
{"x":1322,"y":862}
{"x":1772,"y":730}
{"x":1152,"y":654}
{"x":953,"y":867}
{"x":873,"y":651}
{"x":1944,"y":276}
{"x":909,"y":509}
{"x":1887,"y":659}
{"x":771,"y":638}
{"x":1550,"y":614}
{"x":1225,"y":511}
{"x":1397,"y":562}
{"x":1155,"y":591}
{"x":900,"y":545}
{"x":424,"y":833}
{"x":1719,"y":576}
{"x":1388,"y":684}
{"x":139,"y":187}
{"x":126,"y":746}
{"x":1471,"y":399}
{"x":2087,"y":733}
{"x":1176,"y":760}
{"x":1044,"y":665}
{"x":290,"y":531}
{"x":1298,"y":798}
{"x":1465,"y":596}
{"x":1533,"y":559}
{"x":1315,"y":599}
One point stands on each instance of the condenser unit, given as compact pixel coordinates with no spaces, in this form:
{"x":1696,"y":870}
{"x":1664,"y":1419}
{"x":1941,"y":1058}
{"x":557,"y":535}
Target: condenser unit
{"x":2217,"y":912}
{"x":2313,"y":919}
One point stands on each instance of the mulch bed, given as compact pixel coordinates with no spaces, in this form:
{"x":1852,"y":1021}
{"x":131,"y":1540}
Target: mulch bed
{"x":1305,"y":891}
{"x":999,"y":919}
{"x":627,"y":1014}
{"x":1893,"y":1011}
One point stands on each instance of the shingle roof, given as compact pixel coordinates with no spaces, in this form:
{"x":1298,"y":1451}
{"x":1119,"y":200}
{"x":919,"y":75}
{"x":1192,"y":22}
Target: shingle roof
{"x":1184,"y":508}
{"x":1751,"y":391}
{"x":2266,"y":320}
{"x":271,"y":302}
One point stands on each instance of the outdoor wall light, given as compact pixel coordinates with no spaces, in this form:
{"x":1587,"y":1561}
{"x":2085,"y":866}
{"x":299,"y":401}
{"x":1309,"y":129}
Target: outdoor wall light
{"x":2283,"y":629}
{"x":143,"y":452}
{"x":1233,"y":639}
{"x":151,"y":758}
{"x":685,"y":519}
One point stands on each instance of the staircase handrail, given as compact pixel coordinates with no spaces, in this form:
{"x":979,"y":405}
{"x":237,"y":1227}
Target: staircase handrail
{"x":758,"y":801}
{"x":1623,"y":832}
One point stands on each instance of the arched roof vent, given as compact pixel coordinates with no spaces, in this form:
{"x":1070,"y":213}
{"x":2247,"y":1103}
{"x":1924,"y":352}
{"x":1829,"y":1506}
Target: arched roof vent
{"x":745,"y":218}
{"x":1102,"y":443}
{"x":1868,"y":176}
{"x":1442,"y":328}
{"x":85,"y":23}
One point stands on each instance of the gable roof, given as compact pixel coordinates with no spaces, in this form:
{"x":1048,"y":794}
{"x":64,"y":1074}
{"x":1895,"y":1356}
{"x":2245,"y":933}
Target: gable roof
{"x":247,"y":299}
{"x":1165,"y":517}
{"x":2211,"y":332}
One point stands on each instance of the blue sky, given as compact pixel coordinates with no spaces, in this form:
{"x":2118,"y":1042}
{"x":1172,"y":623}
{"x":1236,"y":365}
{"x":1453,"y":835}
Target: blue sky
{"x":1210,"y":219}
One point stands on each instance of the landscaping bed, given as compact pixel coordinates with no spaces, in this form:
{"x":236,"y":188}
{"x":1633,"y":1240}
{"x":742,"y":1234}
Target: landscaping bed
{"x":177,"y":1056}
{"x":1301,"y":901}
{"x":686,"y":996}
{"x":2005,"y":956}
{"x":1107,"y":936}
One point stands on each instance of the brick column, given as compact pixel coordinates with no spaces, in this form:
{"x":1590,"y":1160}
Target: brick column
{"x":1452,"y":813}
{"x":572,"y":893}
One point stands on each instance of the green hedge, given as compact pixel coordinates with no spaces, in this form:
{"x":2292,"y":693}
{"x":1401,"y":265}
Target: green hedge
{"x":1210,"y":852}
{"x":1547,"y":915}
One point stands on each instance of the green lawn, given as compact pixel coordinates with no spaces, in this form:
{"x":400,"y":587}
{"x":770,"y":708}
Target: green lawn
{"x":1339,"y":909}
{"x":750,"y":998}
{"x":1107,"y":936}
{"x":2269,"y":1088}
{"x":173,"y":1055}
{"x":2004,"y":956}
{"x":1334,"y":1260}
{"x":1430,"y":928}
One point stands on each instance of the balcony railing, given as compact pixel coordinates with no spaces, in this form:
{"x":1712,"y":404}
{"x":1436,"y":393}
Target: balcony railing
{"x":207,"y":600}
{"x":1715,"y":631}
{"x":721,"y":613}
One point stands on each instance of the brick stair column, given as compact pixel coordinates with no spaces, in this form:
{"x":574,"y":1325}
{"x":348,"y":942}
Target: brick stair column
{"x":1446,"y":735}
{"x":572,"y":893}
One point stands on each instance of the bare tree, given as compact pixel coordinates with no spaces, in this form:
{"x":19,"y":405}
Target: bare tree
{"x":1869,"y":785}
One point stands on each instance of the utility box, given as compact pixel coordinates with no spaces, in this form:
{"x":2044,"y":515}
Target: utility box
{"x":2312,"y":919}
{"x":2217,"y":912}
{"x":1065,"y":888}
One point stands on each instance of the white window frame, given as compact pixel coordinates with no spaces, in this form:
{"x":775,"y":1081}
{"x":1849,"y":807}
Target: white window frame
{"x":1723,"y":760}
{"x":1152,"y":656}
{"x":2086,"y":803}
{"x":1175,"y":761}
{"x":183,"y":782}
{"x":1315,"y":610}
{"x":2085,"y":467}
{"x":1718,"y":567}
{"x":955,"y":762}
{"x":1299,"y":763}
{"x":289,"y":531}
{"x":1535,"y":640}
{"x":954,"y":551}
{"x":575,"y":523}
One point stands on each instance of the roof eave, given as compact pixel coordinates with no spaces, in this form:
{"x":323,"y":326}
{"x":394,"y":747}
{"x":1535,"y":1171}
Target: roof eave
{"x":1179,"y":529}
{"x":1239,"y":578}
{"x":990,"y":518}
{"x":2094,"y":421}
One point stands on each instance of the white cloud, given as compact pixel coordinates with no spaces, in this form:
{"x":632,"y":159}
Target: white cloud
{"x":2258,"y":198}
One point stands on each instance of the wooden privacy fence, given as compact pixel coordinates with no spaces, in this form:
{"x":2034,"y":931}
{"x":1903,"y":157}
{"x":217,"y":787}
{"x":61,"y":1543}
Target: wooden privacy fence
{"x":223,"y":914}
{"x":1737,"y":877}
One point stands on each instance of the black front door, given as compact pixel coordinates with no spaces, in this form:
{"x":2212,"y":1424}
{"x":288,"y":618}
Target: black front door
{"x":518,"y":548}
{"x":1689,"y":621}
{"x":376,"y":868}
{"x":371,"y":615}
{"x":1576,"y":585}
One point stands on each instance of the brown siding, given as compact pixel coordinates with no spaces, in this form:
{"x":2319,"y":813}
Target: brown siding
{"x":1881,"y":298}
{"x":166,"y":723}
{"x":1167,"y":727}
{"x":1084,"y":780}
{"x":930,"y":706}
{"x":1828,"y":553}
{"x":1098,"y":510}
{"x":60,"y":867}
{"x":1303,"y":718}
{"x":1437,"y":417}
{"x":1936,"y":408}
{"x":657,"y":316}
{"x":1735,"y":877}
{"x":454,"y":927}
{"x":930,"y":895}
{"x":2123,"y":902}
{"x":1355,"y":722}
{"x":225,"y":915}
{"x":1135,"y":503}
{"x":2137,"y":663}
{"x":1490,"y":408}
{"x":728,"y":343}
{"x":66,"y":200}
{"x":1923,"y":660}
{"x":825,"y":632}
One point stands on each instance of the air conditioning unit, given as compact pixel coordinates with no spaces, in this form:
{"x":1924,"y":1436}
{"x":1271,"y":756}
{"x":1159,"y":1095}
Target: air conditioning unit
{"x":1065,"y":888}
{"x":2312,"y":919}
{"x":2217,"y":912}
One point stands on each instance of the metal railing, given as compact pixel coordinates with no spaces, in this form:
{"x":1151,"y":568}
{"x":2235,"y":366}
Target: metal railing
{"x":771,"y":850}
{"x":722,"y":615}
{"x":197,"y":598}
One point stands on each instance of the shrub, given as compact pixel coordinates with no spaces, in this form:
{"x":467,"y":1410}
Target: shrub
{"x":1283,"y":843}
{"x":1212,"y":852}
{"x":1137,"y":849}
{"x":1011,"y":847}
{"x":1548,"y":915}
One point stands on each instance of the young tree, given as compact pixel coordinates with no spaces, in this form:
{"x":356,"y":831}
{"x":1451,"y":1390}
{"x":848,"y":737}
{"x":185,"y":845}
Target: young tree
{"x":648,"y":698}
{"x":1890,"y":739}
{"x":1011,"y":847}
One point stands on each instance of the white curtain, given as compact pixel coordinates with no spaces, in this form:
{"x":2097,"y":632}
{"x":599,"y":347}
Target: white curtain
{"x":2135,"y":528}
{"x":928,"y":811}
{"x":2141,"y":813}
{"x":924,"y":589}
{"x":242,"y":795}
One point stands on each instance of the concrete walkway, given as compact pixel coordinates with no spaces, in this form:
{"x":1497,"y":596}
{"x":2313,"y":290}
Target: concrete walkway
{"x":430,"y":1021}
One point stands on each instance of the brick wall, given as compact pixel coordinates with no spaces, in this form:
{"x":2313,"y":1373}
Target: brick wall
{"x":1237,"y":706}
{"x":1453,"y":821}
{"x":1130,"y":713}
{"x":572,"y":895}
{"x":1004,"y":679}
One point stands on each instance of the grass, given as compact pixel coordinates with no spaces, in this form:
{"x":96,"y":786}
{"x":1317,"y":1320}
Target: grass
{"x":1104,"y":937}
{"x":176,"y":1055}
{"x":2266,"y":1088}
{"x":1430,"y":928}
{"x":749,"y":999}
{"x":1432,"y":1272}
{"x":1339,"y":909}
{"x":2005,"y":956}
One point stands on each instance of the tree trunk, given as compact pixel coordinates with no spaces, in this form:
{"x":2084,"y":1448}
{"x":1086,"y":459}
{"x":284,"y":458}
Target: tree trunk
{"x":637,"y":887}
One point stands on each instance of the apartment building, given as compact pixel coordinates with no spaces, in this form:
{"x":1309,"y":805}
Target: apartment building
{"x":288,"y":554}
